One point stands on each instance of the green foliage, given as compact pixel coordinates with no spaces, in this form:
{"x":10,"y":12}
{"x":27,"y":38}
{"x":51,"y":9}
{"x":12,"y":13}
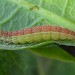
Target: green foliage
{"x":20,"y":14}
{"x":17,"y":63}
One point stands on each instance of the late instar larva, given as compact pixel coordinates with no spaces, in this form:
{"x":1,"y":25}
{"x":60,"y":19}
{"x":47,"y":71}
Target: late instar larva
{"x":37,"y":34}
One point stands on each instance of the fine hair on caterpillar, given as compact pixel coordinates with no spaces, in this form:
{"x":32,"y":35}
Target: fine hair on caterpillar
{"x":37,"y":34}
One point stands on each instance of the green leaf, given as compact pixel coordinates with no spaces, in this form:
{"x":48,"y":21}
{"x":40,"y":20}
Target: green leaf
{"x":32,"y":13}
{"x":53,"y":52}
{"x":20,"y":14}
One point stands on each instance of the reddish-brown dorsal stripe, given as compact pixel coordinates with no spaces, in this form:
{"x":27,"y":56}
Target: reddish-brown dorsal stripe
{"x":37,"y":29}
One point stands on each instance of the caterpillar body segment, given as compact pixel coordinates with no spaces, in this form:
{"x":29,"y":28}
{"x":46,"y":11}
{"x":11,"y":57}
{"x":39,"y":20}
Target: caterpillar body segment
{"x":46,"y":35}
{"x":29,"y":38}
{"x":22,"y":39}
{"x":55,"y":35}
{"x":37,"y":34}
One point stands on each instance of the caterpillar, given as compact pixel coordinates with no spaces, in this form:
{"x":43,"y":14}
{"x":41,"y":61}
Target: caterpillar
{"x":37,"y":34}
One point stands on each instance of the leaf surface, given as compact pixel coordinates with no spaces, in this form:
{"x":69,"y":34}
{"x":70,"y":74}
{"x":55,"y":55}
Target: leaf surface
{"x":20,"y":14}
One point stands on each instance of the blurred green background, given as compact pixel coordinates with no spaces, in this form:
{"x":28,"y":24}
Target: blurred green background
{"x":26,"y":63}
